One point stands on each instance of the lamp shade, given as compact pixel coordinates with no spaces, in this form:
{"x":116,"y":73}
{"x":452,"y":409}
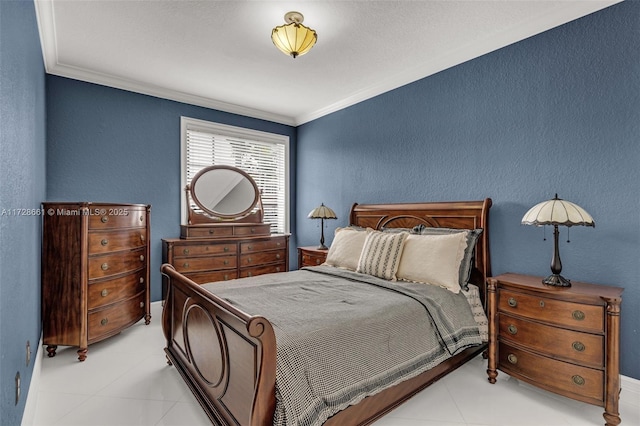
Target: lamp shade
{"x":294,"y":39}
{"x":322,"y":212}
{"x":557,"y":212}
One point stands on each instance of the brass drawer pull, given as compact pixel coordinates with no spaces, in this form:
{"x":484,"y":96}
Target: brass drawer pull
{"x":578,"y":380}
{"x":226,"y":262}
{"x":211,"y":231}
{"x":141,"y":258}
{"x":104,"y":293}
{"x":104,"y":219}
{"x":185,"y":265}
{"x":249,"y":274}
{"x":104,"y":242}
{"x":185,"y":251}
{"x":578,"y":346}
{"x":512,"y":302}
{"x":253,"y":230}
{"x":512,"y":359}
{"x":542,"y":303}
{"x":104,"y":321}
{"x":104,"y":266}
{"x":142,"y":237}
{"x":142,"y":304}
{"x":278,"y":256}
{"x":141,"y":280}
{"x":226,"y":249}
{"x":278,"y":243}
{"x":512,"y":329}
{"x":578,"y":315}
{"x":141,"y":218}
{"x":277,"y":269}
{"x":318,"y":261}
{"x":249,"y":247}
{"x":226,"y":277}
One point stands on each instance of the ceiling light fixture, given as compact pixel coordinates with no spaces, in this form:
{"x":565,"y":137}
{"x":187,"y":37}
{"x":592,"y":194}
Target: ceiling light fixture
{"x":293,"y":38}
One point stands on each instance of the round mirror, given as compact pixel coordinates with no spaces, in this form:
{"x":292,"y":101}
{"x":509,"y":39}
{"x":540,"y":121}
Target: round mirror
{"x":224,"y":191}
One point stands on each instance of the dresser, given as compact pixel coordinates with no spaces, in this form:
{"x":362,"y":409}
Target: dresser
{"x":222,"y":258}
{"x":562,"y":339}
{"x":311,"y":256}
{"x":95,"y":272}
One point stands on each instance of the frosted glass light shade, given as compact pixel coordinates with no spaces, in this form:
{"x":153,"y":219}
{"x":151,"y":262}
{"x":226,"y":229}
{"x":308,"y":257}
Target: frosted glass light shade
{"x":557,"y":212}
{"x":294,"y":39}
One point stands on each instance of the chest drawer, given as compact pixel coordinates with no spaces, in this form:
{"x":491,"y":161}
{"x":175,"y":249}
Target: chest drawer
{"x":115,"y":317}
{"x":194,"y":264}
{"x":572,"y":346}
{"x":117,"y":263}
{"x":254,"y":246}
{"x":262,"y":258}
{"x":109,"y":217}
{"x":259,"y":270}
{"x":103,"y":293}
{"x":204,"y":249}
{"x":212,"y":276}
{"x":552,"y":374}
{"x":568,"y":314}
{"x":104,"y":242}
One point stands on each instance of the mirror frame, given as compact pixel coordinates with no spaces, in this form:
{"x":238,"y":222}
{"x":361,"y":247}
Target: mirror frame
{"x":190,"y":189}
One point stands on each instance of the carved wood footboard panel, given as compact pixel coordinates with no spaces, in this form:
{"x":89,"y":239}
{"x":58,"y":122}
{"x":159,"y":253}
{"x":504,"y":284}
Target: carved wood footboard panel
{"x":225,"y":356}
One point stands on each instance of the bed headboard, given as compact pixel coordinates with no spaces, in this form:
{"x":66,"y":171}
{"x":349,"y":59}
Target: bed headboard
{"x":447,"y":214}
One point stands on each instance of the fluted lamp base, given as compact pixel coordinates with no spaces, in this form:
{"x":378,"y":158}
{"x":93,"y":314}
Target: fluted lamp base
{"x":556,"y":280}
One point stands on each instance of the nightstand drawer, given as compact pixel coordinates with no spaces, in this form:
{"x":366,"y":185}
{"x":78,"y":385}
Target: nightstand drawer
{"x":582,"y":382}
{"x":312,"y":259}
{"x":572,"y":346}
{"x":567,"y":314}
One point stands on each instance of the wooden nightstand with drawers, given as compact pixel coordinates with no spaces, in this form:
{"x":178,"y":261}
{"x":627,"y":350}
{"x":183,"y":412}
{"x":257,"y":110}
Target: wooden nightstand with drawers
{"x":311,"y":256}
{"x":562,"y":339}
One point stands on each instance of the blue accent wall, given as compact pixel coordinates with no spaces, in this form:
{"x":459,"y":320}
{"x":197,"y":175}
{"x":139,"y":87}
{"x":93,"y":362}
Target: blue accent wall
{"x":555,"y":113}
{"x":110,"y":145}
{"x":22,"y":186}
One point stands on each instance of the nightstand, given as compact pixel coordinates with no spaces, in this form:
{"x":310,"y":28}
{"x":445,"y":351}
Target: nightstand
{"x":311,"y":256}
{"x":562,"y":339}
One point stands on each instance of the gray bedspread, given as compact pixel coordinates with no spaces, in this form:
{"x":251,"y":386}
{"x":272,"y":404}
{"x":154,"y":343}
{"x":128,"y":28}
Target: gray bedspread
{"x":342,"y":336}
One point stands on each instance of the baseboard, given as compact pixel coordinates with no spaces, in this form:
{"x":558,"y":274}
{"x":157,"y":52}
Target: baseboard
{"x":29,"y":415}
{"x":630,"y":393}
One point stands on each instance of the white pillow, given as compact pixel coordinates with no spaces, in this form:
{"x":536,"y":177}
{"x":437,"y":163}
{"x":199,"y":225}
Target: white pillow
{"x":346,"y":248}
{"x":381,"y":254}
{"x":433,"y":259}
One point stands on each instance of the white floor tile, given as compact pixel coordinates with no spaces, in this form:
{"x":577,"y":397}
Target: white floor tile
{"x":185,"y":414}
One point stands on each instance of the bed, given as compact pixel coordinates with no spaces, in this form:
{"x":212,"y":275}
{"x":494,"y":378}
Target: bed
{"x":225,"y":348}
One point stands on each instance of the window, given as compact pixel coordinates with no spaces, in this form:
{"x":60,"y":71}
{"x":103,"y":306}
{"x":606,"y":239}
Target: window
{"x":264,"y":156}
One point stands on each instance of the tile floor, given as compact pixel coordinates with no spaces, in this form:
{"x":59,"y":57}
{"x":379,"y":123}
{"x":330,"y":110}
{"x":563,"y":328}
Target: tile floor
{"x":126,"y":381}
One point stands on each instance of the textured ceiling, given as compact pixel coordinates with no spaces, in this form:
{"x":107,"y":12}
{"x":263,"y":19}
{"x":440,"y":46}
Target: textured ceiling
{"x":219,"y":54}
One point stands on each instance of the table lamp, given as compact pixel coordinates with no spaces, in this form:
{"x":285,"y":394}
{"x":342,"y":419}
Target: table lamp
{"x":323,"y":212}
{"x":557,"y":212}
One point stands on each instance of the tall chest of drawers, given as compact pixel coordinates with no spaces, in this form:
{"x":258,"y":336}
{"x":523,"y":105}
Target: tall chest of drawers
{"x":95,"y":272}
{"x":562,"y":339}
{"x":206,"y":260}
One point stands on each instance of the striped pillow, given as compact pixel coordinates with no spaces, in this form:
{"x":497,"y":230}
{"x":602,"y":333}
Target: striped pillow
{"x":381,"y":254}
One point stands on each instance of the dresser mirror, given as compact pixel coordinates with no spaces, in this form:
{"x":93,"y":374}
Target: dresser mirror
{"x":223,"y":194}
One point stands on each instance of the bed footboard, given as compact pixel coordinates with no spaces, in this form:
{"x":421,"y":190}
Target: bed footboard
{"x":203,"y":333}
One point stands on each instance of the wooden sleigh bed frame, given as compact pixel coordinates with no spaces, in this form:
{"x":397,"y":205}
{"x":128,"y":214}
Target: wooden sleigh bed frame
{"x":228,"y":358}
